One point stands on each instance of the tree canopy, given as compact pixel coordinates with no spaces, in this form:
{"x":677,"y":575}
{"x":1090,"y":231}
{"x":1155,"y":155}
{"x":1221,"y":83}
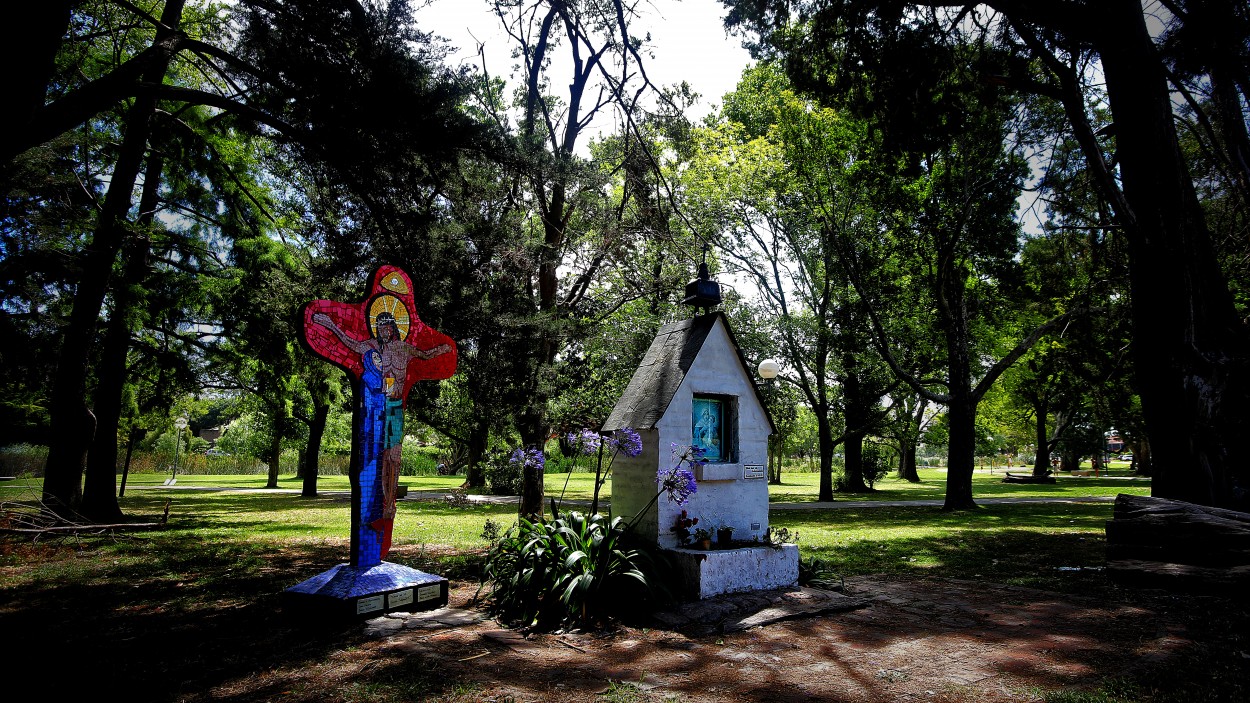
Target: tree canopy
{"x":995,"y":215}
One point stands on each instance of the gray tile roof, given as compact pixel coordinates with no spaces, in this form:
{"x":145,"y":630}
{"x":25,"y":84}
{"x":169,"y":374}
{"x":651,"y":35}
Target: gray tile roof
{"x":663,"y":369}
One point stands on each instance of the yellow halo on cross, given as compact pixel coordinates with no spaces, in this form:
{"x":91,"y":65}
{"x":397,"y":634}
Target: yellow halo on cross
{"x":393,"y":305}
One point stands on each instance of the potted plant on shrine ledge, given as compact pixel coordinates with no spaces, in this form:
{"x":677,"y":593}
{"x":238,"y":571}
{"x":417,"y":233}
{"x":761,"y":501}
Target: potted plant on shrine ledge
{"x":724,"y":536}
{"x":702,"y":538}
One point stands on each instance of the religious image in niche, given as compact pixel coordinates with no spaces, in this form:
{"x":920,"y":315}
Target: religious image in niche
{"x":384,"y":347}
{"x":706,"y":427}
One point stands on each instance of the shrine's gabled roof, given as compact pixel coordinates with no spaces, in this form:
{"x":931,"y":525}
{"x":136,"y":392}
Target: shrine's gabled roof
{"x":664,"y":367}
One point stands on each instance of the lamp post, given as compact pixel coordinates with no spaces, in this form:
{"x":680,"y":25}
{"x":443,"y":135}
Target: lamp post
{"x":180,"y":424}
{"x":768,"y":370}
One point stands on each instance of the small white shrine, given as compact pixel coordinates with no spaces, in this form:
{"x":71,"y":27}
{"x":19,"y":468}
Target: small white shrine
{"x":694,"y":387}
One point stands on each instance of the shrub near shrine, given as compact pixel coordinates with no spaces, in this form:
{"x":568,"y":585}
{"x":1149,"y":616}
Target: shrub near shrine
{"x":579,"y":569}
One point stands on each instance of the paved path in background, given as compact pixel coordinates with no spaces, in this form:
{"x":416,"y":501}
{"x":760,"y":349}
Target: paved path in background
{"x":788,"y":505}
{"x":809,"y":505}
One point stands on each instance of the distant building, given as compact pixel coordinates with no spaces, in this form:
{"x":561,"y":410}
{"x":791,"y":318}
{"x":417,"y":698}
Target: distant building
{"x":211,"y":434}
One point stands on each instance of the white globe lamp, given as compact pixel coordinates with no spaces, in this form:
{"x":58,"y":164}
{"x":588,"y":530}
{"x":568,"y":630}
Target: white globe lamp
{"x":768,"y":369}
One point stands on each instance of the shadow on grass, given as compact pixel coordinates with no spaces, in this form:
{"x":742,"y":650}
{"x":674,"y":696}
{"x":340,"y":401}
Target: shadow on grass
{"x":175,"y":618}
{"x":269,"y":515}
{"x":191,"y":615}
{"x":193,"y":612}
{"x":1053,"y":546}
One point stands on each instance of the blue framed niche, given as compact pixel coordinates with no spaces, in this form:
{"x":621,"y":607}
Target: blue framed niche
{"x":714,"y":426}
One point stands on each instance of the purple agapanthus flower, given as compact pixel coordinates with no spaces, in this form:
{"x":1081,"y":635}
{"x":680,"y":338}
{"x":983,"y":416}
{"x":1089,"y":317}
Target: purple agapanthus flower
{"x":688,"y":454}
{"x":532,"y":457}
{"x":678,"y":483}
{"x":586,"y":442}
{"x":627,"y":440}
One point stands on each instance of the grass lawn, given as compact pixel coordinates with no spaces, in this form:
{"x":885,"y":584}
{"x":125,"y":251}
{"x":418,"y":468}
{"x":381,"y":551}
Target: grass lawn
{"x":286,"y":481}
{"x":796,"y":486}
{"x":799,"y":487}
{"x":915,"y":539}
{"x":1013,"y":543}
{"x":1023,"y":545}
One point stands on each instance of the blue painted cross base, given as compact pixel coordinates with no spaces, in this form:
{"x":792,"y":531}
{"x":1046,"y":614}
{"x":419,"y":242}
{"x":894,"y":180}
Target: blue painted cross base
{"x":359,"y":592}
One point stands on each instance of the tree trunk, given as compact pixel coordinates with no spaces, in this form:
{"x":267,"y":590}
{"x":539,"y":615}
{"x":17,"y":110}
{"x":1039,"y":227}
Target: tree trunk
{"x":533,"y":435}
{"x":479,"y":436}
{"x":312,"y":450}
{"x":907,"y":463}
{"x":853,"y":468}
{"x":1189,"y":348}
{"x":824,"y":435}
{"x":1143,"y":462}
{"x":135,"y":434}
{"x":1171,"y":544}
{"x":99,"y":500}
{"x":856,"y":414}
{"x":962,"y":409}
{"x":73,"y":424}
{"x":911,"y":439}
{"x":275,"y":447}
{"x":961,"y":460}
{"x":774,"y":460}
{"x":1041,"y":463}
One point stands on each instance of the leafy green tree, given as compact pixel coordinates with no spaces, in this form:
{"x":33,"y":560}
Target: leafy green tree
{"x":120,"y":64}
{"x":568,"y":223}
{"x":783,"y":180}
{"x":911,"y":418}
{"x":1189,"y":345}
{"x":961,"y":245}
{"x":73,"y":423}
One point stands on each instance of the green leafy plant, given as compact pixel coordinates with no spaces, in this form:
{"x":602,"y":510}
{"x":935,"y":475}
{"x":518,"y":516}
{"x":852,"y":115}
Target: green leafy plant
{"x":877,"y":464}
{"x":701,"y":534}
{"x":491,"y":532}
{"x":504,"y":472}
{"x":572,"y":570}
{"x":578,"y":569}
{"x":819,"y":573}
{"x":777,"y":536}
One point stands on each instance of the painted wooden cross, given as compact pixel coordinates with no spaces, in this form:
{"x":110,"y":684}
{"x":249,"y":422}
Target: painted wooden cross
{"x":385,"y":348}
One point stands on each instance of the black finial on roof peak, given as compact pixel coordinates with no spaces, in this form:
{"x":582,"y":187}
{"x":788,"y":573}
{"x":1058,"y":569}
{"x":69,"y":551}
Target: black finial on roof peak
{"x":703,"y":292}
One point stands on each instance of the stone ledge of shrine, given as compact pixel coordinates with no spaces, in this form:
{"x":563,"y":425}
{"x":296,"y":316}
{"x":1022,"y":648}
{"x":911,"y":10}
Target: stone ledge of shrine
{"x":708,"y":573}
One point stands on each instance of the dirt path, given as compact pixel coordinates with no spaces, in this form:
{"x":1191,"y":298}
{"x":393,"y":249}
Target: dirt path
{"x":917,"y":640}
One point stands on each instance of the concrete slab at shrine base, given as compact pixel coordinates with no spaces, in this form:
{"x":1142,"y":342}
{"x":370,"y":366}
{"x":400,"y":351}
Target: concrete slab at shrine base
{"x":707,"y":573}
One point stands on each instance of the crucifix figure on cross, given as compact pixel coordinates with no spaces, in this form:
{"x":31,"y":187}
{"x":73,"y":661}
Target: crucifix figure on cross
{"x":385,"y":348}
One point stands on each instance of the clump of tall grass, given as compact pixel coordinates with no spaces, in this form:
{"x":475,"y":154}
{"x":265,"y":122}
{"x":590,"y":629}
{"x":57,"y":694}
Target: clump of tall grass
{"x":23,"y":460}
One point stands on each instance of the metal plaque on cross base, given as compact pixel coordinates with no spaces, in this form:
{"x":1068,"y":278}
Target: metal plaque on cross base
{"x":347,"y":592}
{"x":384,"y":348}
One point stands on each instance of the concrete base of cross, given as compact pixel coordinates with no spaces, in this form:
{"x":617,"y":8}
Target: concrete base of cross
{"x":347,"y":591}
